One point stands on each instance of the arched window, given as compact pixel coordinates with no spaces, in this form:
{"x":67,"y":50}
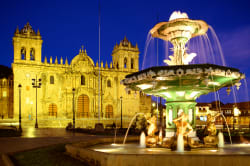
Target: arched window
{"x":4,"y":82}
{"x":83,"y":106}
{"x":53,"y":110}
{"x":125,"y":62}
{"x":132,"y":63}
{"x":52,"y":80}
{"x":109,"y":111}
{"x":82,"y":80}
{"x":32,"y":54}
{"x":109,"y":83}
{"x":23,"y":53}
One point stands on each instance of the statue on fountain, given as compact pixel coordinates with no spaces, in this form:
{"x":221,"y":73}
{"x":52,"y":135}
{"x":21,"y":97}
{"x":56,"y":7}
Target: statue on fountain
{"x":152,"y":139}
{"x":182,"y":126}
{"x":211,"y":139}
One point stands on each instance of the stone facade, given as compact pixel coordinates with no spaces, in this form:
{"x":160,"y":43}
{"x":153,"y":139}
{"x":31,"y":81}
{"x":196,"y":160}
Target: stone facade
{"x":96,"y":88}
{"x":6,"y":97}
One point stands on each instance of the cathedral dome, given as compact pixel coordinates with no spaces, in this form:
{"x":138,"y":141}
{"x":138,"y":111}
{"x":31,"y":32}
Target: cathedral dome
{"x":82,"y":57}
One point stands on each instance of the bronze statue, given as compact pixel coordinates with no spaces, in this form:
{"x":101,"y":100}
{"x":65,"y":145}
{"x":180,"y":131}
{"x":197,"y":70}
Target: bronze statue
{"x":152,"y":139}
{"x":152,"y":128}
{"x":211,"y":138}
{"x":182,"y":126}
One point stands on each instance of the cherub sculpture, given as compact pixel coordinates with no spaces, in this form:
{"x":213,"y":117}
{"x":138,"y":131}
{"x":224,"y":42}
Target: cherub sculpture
{"x":182,"y":126}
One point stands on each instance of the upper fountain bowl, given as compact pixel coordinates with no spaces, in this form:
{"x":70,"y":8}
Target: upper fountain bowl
{"x":181,"y":29}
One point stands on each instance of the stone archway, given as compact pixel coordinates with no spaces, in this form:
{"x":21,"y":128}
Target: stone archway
{"x":53,"y":110}
{"x":83,"y":106}
{"x":109,"y":111}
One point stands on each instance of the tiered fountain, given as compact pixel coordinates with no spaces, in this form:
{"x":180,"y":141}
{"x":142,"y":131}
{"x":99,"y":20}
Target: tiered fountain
{"x":180,"y":84}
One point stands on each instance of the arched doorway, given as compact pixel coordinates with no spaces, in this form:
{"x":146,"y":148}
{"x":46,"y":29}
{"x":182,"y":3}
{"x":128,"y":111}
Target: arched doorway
{"x":53,"y":110}
{"x":109,"y":111}
{"x":83,"y":106}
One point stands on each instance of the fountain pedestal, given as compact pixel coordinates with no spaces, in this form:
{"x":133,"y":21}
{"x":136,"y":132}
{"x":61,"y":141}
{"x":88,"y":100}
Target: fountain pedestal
{"x":173,"y":109}
{"x":151,"y":141}
{"x":211,"y":140}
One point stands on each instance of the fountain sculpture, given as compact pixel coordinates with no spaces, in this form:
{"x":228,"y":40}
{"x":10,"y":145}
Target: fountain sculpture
{"x":152,"y":139}
{"x":211,"y":138}
{"x":181,"y":83}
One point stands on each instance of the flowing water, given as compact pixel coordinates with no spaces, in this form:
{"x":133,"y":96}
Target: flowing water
{"x":207,"y":47}
{"x":221,"y":140}
{"x":132,"y":120}
{"x":218,"y":45}
{"x":145,"y":56}
{"x":180,"y":143}
{"x":228,"y":130}
{"x":142,"y":140}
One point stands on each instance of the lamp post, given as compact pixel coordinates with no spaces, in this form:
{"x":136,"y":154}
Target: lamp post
{"x":121,"y":111}
{"x":73,"y":105}
{"x":20,"y":116}
{"x":36,"y":83}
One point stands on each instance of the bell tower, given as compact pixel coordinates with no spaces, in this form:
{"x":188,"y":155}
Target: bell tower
{"x":27,"y":45}
{"x":126,"y":56}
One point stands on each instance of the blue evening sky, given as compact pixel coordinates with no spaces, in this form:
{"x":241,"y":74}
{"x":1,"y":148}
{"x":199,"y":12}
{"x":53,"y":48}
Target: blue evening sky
{"x":66,"y":25}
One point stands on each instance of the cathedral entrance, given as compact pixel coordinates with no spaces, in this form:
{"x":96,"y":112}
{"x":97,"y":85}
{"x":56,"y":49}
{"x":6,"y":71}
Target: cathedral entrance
{"x":83,"y":106}
{"x":53,"y":110}
{"x":109,"y":111}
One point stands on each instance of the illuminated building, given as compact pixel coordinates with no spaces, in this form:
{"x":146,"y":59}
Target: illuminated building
{"x":6,"y":93}
{"x":242,"y":119}
{"x":59,"y":77}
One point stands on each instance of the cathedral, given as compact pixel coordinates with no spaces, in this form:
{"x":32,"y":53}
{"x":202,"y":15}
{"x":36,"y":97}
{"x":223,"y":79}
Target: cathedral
{"x":52,"y":90}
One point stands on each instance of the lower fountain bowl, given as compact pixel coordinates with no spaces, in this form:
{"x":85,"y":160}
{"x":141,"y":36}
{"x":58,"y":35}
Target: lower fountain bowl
{"x":97,"y":153}
{"x":183,"y":82}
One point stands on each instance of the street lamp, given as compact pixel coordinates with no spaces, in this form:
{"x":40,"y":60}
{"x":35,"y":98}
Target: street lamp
{"x":73,"y":105}
{"x":121,"y":111}
{"x":36,"y":83}
{"x":20,"y":127}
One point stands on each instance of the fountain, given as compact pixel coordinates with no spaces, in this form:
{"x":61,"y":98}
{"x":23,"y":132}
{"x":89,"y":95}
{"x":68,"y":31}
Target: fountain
{"x":180,"y":83}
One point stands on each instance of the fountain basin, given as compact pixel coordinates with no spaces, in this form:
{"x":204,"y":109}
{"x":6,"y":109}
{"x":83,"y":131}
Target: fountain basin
{"x":97,"y":153}
{"x":181,"y":85}
{"x":182,"y":82}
